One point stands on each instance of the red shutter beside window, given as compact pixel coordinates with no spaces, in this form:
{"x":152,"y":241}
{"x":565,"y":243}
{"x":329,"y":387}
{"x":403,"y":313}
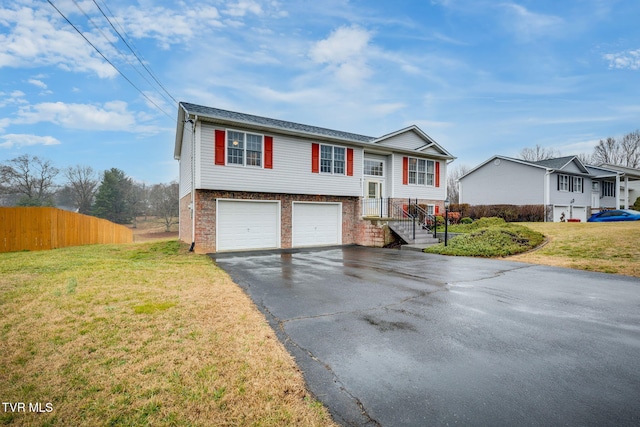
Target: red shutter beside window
{"x":315,"y":158}
{"x":437,"y":210}
{"x":349,"y":161}
{"x":219,"y":151}
{"x":437,"y":174}
{"x":268,"y":152}
{"x":405,"y":170}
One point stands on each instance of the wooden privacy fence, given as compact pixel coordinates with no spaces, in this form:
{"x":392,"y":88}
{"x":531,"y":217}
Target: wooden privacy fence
{"x":39,"y":228}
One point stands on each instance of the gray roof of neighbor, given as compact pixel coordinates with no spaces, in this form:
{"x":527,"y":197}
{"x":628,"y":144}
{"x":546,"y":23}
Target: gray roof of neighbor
{"x":556,"y":163}
{"x":216,"y":113}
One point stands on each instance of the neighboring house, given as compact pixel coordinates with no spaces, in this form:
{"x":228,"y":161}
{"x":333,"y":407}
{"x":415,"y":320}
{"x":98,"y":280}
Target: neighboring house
{"x":249,"y":182}
{"x":565,"y":186}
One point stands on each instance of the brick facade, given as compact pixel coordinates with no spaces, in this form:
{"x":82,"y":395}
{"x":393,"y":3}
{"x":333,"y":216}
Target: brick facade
{"x":355,"y":229}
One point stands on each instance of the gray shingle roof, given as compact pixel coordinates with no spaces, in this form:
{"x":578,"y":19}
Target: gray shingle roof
{"x":556,"y":163}
{"x":216,"y":113}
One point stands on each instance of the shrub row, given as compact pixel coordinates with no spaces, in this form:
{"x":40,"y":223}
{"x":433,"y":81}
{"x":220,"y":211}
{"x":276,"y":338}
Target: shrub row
{"x":510,"y":213}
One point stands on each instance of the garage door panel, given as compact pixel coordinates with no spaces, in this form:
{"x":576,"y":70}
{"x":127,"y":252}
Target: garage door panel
{"x":247,"y":225}
{"x":316,"y":224}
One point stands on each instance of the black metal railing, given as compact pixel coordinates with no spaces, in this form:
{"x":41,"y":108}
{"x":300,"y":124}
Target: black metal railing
{"x":408,"y":212}
{"x":376,"y":207}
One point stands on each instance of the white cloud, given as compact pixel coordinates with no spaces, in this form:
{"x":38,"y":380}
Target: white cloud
{"x":345,"y":52}
{"x":24,"y":140}
{"x":36,"y":37}
{"x":111,"y":116}
{"x":38,"y":83}
{"x":244,"y":7}
{"x":621,"y":60}
{"x":527,"y":25}
{"x":169,"y":26}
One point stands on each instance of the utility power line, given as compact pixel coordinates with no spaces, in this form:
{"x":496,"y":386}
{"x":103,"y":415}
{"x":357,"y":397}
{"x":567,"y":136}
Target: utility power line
{"x":109,"y":62}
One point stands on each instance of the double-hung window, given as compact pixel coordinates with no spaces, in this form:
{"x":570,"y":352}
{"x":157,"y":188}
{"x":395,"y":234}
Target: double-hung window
{"x":563,"y":182}
{"x":332,"y":159}
{"x":577,"y":184}
{"x":244,"y":149}
{"x":421,"y":171}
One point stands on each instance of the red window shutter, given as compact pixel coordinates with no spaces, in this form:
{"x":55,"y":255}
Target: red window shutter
{"x":268,"y":152}
{"x":405,"y":170}
{"x":437,"y":174}
{"x":219,"y":151}
{"x":437,"y":209}
{"x":349,"y":161}
{"x":315,"y":158}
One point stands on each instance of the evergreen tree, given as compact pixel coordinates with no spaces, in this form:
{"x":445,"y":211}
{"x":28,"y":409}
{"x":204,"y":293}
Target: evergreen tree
{"x":113,"y":197}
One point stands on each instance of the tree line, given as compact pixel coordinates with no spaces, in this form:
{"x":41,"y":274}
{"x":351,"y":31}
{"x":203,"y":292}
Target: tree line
{"x":33,"y":181}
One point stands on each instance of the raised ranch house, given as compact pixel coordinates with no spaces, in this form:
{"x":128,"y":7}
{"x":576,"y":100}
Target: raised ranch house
{"x":566,"y":187}
{"x":249,"y":182}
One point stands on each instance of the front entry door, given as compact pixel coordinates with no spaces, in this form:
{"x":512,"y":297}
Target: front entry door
{"x":374,"y":205}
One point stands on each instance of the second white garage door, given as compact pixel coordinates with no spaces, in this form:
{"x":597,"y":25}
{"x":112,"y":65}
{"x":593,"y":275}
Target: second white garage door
{"x":243,"y":225}
{"x":316,"y":224}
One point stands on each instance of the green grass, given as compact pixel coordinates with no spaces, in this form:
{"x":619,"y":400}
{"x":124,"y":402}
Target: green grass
{"x":489,"y":237}
{"x":138,"y":335}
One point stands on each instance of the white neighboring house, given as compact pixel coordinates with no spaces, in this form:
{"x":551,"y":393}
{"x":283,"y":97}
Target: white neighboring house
{"x":565,"y":186}
{"x":250,"y":182}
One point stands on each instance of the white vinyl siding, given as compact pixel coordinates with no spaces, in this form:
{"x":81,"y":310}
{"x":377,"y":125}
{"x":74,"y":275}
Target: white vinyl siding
{"x":291,"y":173}
{"x":186,"y":161}
{"x":398,"y":190}
{"x":504,"y":182}
{"x":406,"y":141}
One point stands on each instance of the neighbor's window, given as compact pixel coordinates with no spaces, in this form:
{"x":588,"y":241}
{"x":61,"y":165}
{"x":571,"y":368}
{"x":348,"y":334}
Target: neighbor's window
{"x":608,"y":189}
{"x":421,"y":171}
{"x":244,"y":149}
{"x":563,"y":182}
{"x":332,"y":159}
{"x":577,"y":184}
{"x":373,"y":167}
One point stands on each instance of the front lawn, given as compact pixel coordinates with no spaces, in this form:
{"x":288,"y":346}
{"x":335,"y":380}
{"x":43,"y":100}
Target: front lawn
{"x":595,"y":246}
{"x":138,"y":335}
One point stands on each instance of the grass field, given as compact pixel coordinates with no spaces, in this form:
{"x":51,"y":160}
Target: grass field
{"x":604,"y":247}
{"x":137,"y":335}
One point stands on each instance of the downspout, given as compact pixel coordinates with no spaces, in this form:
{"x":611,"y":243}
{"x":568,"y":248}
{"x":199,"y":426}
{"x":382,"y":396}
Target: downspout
{"x":546,"y":193}
{"x":193,"y":183}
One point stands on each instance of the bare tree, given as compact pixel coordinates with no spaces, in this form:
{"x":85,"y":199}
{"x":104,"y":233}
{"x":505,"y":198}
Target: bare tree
{"x":164,"y":202}
{"x":586,"y":159}
{"x":624,"y":151}
{"x":453,"y":175}
{"x":82,"y":182}
{"x":630,"y":147}
{"x":31,"y":179}
{"x":538,"y":153}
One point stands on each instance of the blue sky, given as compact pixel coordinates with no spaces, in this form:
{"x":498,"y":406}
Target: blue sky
{"x":481,"y":77}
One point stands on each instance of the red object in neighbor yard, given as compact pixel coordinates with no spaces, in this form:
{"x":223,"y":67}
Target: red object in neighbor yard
{"x":573,"y":220}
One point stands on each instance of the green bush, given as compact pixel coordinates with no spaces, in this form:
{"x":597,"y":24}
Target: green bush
{"x":636,"y":205}
{"x":466,"y":220}
{"x":490,"y":237}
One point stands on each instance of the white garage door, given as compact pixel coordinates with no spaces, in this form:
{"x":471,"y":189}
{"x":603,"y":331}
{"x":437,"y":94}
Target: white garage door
{"x":565,"y":212}
{"x":247,"y":225}
{"x":316,"y":224}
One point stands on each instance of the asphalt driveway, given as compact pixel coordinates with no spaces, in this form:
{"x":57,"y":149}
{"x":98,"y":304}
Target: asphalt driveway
{"x":399,"y":338}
